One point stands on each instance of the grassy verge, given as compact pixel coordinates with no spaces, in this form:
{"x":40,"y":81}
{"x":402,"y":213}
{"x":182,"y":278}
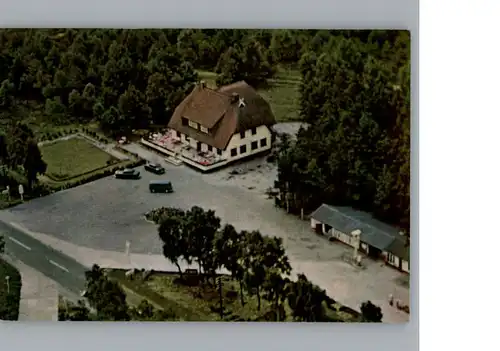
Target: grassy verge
{"x":190,"y":300}
{"x":73,"y":157}
{"x":282,"y":93}
{"x":9,"y":295}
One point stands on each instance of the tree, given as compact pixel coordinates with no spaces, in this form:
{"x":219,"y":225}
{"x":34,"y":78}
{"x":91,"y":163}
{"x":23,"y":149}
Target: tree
{"x":355,"y":97}
{"x":55,"y":106}
{"x":156,"y":95}
{"x":228,"y":245}
{"x":253,"y":261}
{"x":246,"y":63}
{"x":75,"y":103}
{"x":171,"y":232}
{"x":371,"y":312}
{"x":276,"y":288}
{"x":6,"y":94}
{"x":306,"y":300}
{"x":105,"y":296}
{"x":2,"y":244}
{"x":286,"y":46}
{"x":33,"y":163}
{"x":72,"y":312}
{"x":200,"y":228}
{"x":133,"y":109}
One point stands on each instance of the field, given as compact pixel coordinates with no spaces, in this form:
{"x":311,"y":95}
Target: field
{"x":9,"y":297}
{"x":282,"y":93}
{"x":72,"y":157}
{"x":190,"y":300}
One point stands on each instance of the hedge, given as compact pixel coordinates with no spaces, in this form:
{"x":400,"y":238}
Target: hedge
{"x":9,"y":297}
{"x":97,"y":175}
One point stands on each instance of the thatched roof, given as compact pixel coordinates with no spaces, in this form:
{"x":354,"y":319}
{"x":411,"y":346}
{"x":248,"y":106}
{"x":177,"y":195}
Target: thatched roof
{"x":231,"y":109}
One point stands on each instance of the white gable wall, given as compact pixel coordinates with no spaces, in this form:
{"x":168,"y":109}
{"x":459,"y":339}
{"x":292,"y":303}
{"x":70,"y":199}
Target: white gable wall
{"x":236,"y":142}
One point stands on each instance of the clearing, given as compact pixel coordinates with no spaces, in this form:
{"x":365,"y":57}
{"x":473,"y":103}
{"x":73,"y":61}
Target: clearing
{"x":73,"y":157}
{"x":282,"y":93}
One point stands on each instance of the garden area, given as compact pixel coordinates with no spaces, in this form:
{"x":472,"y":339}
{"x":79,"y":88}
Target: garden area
{"x":73,"y":157}
{"x":282,"y":93}
{"x":10,"y":291}
{"x":192,"y":299}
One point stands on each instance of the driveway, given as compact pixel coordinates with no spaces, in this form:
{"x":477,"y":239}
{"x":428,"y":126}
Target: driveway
{"x":105,"y":213}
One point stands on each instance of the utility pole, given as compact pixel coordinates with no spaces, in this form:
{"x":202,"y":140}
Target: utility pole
{"x":7,"y":280}
{"x":219,"y":282}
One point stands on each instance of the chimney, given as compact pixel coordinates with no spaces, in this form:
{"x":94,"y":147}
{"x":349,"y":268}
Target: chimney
{"x":235,"y":97}
{"x":356,"y":233}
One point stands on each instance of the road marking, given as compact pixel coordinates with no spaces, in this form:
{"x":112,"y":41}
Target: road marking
{"x":59,"y":266}
{"x":20,"y":243}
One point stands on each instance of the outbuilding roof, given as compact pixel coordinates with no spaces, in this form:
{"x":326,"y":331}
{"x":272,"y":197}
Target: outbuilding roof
{"x":373,"y":232}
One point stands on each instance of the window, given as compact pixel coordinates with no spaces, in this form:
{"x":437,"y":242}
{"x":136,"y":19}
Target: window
{"x":203,"y":129}
{"x":243,"y":149}
{"x":185,"y":121}
{"x":254,"y":145}
{"x":254,"y":131}
{"x":178,"y":134}
{"x":390,"y":257}
{"x":263,"y":142}
{"x":193,"y":124}
{"x":242,"y":135}
{"x":219,"y":152}
{"x":234,"y":152}
{"x":209,"y":147}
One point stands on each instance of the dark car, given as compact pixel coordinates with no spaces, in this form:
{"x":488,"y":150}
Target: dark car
{"x":127,"y":173}
{"x":162,"y":186}
{"x":154,"y":168}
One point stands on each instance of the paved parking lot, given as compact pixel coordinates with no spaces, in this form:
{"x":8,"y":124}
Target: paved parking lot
{"x":105,"y":213}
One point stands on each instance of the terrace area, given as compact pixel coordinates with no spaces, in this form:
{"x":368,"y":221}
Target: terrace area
{"x":169,"y":144}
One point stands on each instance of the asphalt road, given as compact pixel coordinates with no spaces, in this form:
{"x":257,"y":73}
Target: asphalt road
{"x":53,"y":264}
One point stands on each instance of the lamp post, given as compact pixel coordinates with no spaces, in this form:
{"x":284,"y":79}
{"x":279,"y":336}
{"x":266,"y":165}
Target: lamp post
{"x":127,"y":251}
{"x":7,"y":280}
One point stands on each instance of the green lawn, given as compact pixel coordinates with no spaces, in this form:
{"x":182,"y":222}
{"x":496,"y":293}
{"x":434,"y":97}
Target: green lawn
{"x":194,"y":301}
{"x":70,"y":158}
{"x":282,"y":93}
{"x":9,"y":297}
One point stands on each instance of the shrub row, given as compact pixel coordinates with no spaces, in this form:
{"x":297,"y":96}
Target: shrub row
{"x":48,"y":136}
{"x":95,"y":135}
{"x":97,"y":175}
{"x":65,"y":178}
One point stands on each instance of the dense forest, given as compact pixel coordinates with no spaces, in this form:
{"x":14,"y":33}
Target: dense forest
{"x":354,"y":95}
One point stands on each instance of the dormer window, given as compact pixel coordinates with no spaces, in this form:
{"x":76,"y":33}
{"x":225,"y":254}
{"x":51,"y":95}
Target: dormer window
{"x":203,"y":129}
{"x":193,"y":125}
{"x":185,"y":121}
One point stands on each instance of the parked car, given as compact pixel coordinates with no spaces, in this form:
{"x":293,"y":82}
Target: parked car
{"x":161,"y":186}
{"x":127,"y":173}
{"x":154,"y":168}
